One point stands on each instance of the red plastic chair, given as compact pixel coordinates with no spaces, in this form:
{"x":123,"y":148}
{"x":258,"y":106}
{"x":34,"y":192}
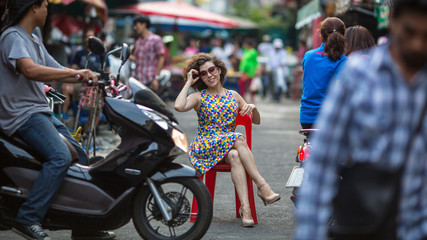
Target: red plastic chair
{"x":210,"y":176}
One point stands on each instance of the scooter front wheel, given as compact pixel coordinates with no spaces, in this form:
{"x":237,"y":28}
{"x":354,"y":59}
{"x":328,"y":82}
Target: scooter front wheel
{"x":178,"y":194}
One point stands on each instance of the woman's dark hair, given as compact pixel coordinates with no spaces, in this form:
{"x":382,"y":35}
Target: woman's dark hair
{"x":358,"y":38}
{"x":332,"y":32}
{"x":198,"y":60}
{"x":142,"y":19}
{"x":15,"y":10}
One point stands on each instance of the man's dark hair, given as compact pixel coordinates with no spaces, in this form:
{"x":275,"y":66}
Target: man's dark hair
{"x":400,"y":6}
{"x":250,"y":42}
{"x":15,"y":10}
{"x":142,"y":19}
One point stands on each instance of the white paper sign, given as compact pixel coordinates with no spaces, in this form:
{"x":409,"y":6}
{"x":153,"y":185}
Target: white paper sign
{"x":295,"y":179}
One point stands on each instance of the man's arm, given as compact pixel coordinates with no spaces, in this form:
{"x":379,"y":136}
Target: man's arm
{"x":161,"y":60}
{"x":160,"y":63}
{"x":41,"y":73}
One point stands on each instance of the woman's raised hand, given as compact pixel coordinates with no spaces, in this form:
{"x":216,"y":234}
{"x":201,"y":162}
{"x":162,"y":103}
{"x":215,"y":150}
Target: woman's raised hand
{"x":192,"y":76}
{"x":247,"y":109}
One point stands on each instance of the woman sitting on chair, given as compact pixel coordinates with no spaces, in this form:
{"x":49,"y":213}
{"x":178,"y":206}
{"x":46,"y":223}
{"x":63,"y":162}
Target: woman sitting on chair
{"x":216,"y":141}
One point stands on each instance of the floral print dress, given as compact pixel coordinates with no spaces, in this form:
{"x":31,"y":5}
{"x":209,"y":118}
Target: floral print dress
{"x":215,"y":133}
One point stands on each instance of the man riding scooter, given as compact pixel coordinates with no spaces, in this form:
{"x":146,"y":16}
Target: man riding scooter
{"x":24,"y":112}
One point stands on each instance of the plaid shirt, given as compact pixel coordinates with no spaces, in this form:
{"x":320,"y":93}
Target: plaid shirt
{"x":368,"y":115}
{"x":146,"y":53}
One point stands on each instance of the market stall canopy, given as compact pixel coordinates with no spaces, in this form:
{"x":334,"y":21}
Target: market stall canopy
{"x":308,"y":13}
{"x":180,"y":11}
{"x":366,"y":7}
{"x":112,"y":4}
{"x":70,"y":15}
{"x":181,"y":24}
{"x":80,"y":7}
{"x":97,"y":3}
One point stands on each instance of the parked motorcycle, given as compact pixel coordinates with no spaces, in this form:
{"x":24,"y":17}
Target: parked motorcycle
{"x":138,"y":180}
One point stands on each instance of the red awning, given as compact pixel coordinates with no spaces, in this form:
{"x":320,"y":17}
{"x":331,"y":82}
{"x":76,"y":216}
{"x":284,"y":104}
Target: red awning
{"x":179,"y":10}
{"x":97,"y":3}
{"x":68,"y":15}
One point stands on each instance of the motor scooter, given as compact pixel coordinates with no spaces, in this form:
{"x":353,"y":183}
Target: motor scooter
{"x":303,"y":154}
{"x":138,"y":180}
{"x":296,"y":177}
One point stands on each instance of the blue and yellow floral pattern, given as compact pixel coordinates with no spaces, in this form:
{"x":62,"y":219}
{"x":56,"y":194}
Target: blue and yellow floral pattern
{"x":215,"y":133}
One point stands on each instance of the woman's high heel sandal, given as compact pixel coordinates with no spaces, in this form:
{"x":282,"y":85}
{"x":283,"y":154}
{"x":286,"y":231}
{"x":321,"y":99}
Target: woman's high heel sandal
{"x":274,"y":197}
{"x":246,"y":222}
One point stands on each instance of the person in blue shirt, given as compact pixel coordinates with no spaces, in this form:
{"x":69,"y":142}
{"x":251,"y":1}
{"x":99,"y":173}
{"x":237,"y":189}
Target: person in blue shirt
{"x":320,"y":65}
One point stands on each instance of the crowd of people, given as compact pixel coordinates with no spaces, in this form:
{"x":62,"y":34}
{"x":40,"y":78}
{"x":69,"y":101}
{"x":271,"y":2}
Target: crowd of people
{"x":366,"y":102}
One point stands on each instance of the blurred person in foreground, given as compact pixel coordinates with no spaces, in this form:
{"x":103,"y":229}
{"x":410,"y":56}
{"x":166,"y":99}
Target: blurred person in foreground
{"x":368,"y":116}
{"x":25,"y":65}
{"x":358,"y":38}
{"x":320,"y":65}
{"x":149,"y":53}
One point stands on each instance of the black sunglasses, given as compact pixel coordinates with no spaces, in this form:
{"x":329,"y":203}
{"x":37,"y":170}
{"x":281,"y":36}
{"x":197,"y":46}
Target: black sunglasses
{"x":212,"y":70}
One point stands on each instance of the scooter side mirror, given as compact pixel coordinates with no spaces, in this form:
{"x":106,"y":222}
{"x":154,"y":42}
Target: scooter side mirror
{"x":125,"y":53}
{"x":96,"y":46}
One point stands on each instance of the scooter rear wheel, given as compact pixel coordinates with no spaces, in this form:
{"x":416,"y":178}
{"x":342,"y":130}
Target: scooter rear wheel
{"x":178,"y":194}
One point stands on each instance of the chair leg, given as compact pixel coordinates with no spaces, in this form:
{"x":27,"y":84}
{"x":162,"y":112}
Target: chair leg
{"x":210,"y":181}
{"x":194,"y":206}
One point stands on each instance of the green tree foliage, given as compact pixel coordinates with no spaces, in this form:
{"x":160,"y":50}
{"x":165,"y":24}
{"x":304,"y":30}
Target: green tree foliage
{"x":269,"y":18}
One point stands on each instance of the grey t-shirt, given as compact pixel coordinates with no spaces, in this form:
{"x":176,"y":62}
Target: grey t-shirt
{"x":20,"y":97}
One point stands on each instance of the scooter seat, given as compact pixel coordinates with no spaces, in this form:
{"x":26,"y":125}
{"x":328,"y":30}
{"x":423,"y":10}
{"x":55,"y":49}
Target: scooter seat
{"x":16,"y":141}
{"x":21,"y":143}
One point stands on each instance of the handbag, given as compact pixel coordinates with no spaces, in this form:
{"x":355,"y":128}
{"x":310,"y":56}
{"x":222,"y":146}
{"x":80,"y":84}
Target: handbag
{"x":367,"y":199}
{"x":256,"y":84}
{"x":367,"y":202}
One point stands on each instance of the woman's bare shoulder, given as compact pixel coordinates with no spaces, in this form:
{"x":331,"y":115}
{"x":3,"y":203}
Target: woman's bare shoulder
{"x":195,"y":95}
{"x":236,"y":95}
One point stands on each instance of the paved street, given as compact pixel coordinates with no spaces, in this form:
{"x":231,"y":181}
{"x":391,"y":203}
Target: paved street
{"x":274,"y":145}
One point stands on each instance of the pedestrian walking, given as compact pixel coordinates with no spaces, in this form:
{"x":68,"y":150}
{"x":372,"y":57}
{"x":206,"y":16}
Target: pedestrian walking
{"x":148,"y":53}
{"x":373,"y":119}
{"x":277,"y":65}
{"x":264,"y":50}
{"x":248,"y":67}
{"x":216,"y":141}
{"x":319,"y":66}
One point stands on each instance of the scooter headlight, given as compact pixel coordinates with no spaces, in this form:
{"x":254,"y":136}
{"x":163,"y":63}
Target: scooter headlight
{"x":180,"y":140}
